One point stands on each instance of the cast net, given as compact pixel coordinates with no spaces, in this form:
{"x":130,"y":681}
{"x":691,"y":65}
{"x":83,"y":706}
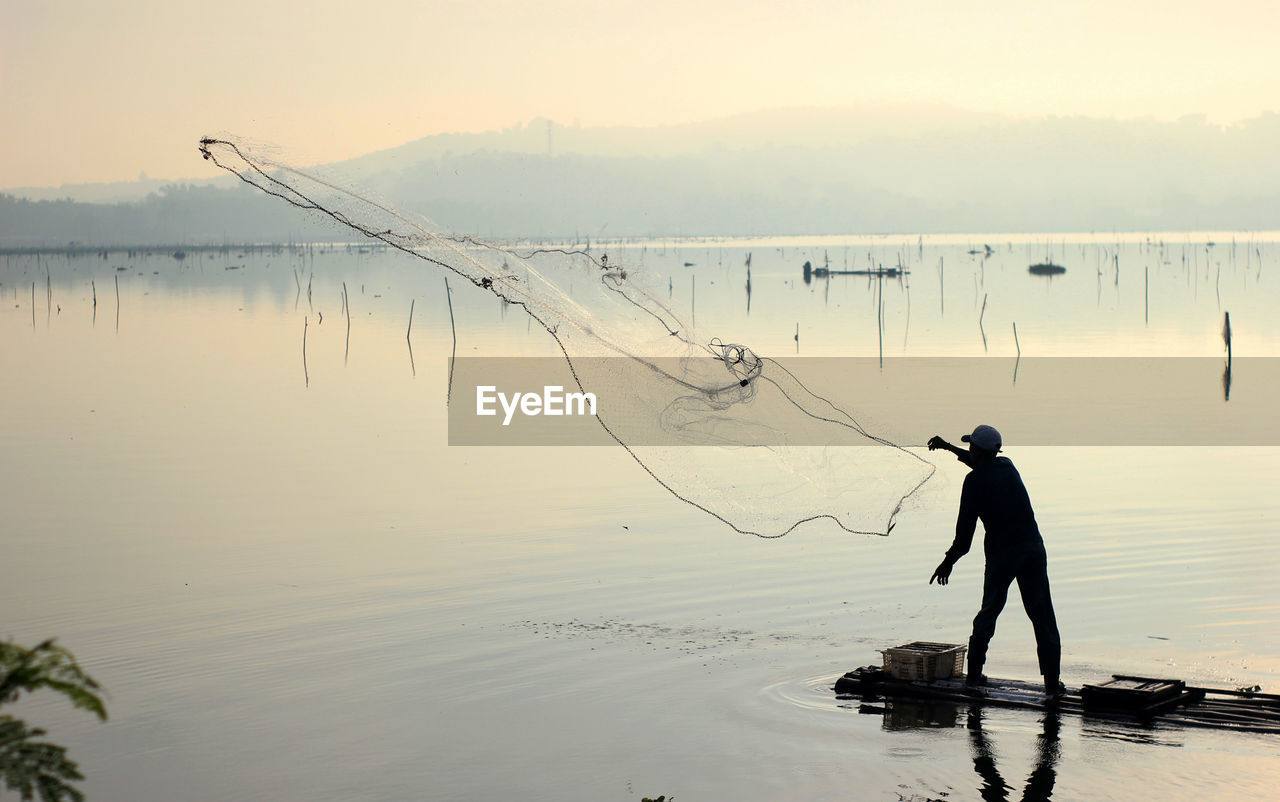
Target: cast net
{"x":718,"y":426}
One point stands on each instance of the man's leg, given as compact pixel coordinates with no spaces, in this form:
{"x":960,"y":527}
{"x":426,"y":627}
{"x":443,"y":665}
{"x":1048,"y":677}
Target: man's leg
{"x":1033,"y":584}
{"x":995,"y":590}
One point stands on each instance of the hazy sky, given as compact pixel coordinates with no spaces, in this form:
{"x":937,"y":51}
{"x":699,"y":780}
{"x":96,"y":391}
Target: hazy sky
{"x":101,"y":90}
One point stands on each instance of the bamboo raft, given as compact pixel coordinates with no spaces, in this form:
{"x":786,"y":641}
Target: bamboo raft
{"x":1146,"y":700}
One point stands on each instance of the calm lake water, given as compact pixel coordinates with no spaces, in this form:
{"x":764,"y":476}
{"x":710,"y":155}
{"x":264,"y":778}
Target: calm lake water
{"x":293,"y":588}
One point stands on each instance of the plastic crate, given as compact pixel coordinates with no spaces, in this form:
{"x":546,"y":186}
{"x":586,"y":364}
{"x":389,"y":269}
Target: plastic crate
{"x":924,"y":661}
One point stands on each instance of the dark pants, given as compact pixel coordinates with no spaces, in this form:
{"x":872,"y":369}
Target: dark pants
{"x":1029,"y":568}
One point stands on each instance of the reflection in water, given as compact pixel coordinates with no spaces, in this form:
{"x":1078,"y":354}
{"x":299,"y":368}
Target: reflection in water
{"x":407,"y":558}
{"x":900,"y":715}
{"x":1040,"y":781}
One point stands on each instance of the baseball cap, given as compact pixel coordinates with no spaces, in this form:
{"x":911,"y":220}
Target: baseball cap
{"x":984,"y":437}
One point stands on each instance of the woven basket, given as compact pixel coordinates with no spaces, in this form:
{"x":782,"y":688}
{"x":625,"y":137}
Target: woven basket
{"x":924,"y":661}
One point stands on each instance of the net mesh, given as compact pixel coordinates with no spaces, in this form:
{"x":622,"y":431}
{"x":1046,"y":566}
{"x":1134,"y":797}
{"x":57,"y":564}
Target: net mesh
{"x":716,"y":401}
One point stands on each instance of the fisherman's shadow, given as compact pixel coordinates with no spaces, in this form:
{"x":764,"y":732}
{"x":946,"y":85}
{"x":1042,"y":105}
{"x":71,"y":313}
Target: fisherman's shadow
{"x":1039,"y":783}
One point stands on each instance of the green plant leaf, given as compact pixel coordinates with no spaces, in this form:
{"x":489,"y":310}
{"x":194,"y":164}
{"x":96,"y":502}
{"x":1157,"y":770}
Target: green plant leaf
{"x":49,"y":666}
{"x":33,"y":767}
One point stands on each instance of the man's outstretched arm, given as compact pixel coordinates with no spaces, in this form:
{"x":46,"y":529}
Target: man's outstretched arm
{"x":962,"y":454}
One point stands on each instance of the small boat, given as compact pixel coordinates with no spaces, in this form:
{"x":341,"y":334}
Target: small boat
{"x":1046,"y":269}
{"x":882,"y":272}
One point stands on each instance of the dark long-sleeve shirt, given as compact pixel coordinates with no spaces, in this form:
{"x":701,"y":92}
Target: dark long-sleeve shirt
{"x":994,"y":492}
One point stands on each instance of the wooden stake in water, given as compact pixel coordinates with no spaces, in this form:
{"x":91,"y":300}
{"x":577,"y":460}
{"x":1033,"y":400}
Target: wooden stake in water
{"x":448,"y":294}
{"x":346,"y":304}
{"x":117,"y":278}
{"x":1017,"y":361}
{"x":408,"y":339}
{"x":880,"y":319}
{"x":1226,"y":335}
{"x":305,"y":375}
{"x":980,"y":314}
{"x":1226,"y":372}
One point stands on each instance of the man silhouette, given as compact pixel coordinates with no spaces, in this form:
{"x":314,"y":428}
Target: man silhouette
{"x":993,"y":491}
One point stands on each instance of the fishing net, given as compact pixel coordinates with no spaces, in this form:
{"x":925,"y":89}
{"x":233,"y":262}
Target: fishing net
{"x":715,"y":424}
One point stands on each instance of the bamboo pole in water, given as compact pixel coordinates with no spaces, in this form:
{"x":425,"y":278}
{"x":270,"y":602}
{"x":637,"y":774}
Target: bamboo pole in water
{"x":346,"y":304}
{"x":880,"y":319}
{"x":448,"y":294}
{"x":408,"y":338}
{"x":1018,"y":360}
{"x":305,"y":375}
{"x":1226,"y":335}
{"x":980,"y":315}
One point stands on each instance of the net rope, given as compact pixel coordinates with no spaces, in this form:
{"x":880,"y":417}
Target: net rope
{"x":716,"y":412}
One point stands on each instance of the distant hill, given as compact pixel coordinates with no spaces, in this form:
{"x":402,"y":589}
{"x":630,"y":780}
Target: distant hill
{"x":174,"y":215}
{"x":111,"y":191}
{"x":793,"y":171}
